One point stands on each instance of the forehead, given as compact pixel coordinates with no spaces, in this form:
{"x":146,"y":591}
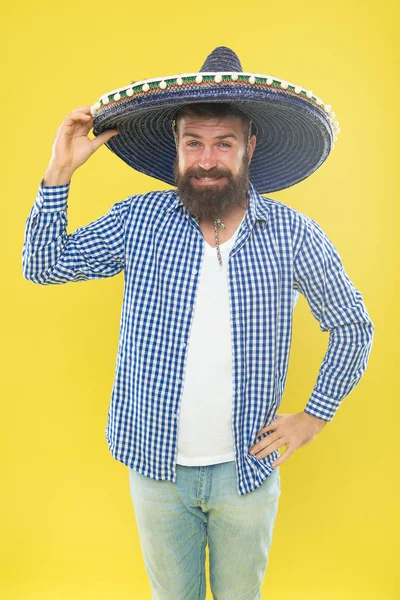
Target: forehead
{"x":211,"y":126}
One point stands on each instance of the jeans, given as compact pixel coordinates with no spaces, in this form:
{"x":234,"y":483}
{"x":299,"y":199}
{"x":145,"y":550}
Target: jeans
{"x":176,"y":520}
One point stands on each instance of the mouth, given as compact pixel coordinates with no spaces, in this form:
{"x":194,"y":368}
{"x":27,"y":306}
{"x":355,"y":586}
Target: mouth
{"x":208,"y":180}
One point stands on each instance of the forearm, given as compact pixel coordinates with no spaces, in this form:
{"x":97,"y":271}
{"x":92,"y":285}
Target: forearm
{"x":52,"y":256}
{"x":342,"y":368}
{"x":45,"y":233}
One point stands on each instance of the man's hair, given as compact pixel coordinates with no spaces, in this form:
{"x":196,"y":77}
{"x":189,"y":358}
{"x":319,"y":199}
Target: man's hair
{"x":214,"y":109}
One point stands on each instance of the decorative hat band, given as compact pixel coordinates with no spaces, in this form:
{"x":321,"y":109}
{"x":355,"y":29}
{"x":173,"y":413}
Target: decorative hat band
{"x":198,"y":80}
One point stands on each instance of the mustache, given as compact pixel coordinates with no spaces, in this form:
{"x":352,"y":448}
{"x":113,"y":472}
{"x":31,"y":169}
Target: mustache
{"x":213,"y":173}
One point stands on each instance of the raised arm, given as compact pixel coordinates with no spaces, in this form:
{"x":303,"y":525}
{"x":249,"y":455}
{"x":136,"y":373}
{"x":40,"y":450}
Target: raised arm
{"x":50,"y":255}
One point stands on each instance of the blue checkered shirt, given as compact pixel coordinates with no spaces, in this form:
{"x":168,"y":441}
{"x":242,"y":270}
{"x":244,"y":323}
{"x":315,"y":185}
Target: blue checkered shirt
{"x":278,"y":253}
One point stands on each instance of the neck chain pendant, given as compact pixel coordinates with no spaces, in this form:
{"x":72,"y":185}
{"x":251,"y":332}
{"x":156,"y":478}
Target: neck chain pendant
{"x":217,"y":222}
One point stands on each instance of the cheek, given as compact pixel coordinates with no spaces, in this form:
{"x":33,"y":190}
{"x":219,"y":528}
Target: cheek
{"x":185,"y":161}
{"x":182,"y":160}
{"x":235,"y":164}
{"x":235,"y":161}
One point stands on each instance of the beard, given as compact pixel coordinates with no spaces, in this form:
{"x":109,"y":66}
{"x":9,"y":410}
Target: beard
{"x":212,"y":202}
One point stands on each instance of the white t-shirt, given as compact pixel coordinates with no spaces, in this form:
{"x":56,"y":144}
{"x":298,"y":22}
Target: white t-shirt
{"x":205,"y":435}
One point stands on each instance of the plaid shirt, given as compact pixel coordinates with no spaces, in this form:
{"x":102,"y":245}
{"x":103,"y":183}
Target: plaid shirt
{"x":278,"y":253}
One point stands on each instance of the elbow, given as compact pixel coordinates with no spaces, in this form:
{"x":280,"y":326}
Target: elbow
{"x":34,"y":275}
{"x":366,"y":332}
{"x":33,"y":278}
{"x":370,"y":330}
{"x":27,"y":272}
{"x":358,"y":333}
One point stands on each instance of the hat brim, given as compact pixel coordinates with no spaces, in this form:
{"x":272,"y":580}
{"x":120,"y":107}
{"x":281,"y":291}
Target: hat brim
{"x":294,"y":136}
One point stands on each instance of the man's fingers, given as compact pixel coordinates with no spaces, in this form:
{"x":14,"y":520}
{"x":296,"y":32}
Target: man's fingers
{"x":76,"y":117}
{"x":267,"y":441}
{"x":81,"y":114}
{"x":269,"y":427}
{"x":272,"y":425}
{"x":263,"y":452}
{"x":284,"y":456}
{"x":82,"y":109}
{"x":103,"y":138}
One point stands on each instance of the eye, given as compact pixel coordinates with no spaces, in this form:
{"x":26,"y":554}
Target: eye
{"x":225,"y":144}
{"x":190,"y":144}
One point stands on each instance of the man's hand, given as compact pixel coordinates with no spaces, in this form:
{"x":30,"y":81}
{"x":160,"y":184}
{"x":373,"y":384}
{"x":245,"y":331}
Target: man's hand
{"x":290,"y":430}
{"x":72,"y":146}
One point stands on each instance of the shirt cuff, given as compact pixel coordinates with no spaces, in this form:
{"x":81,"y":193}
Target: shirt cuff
{"x":321,"y":406}
{"x":52,"y":198}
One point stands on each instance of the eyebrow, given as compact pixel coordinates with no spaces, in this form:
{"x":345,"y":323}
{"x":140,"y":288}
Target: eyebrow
{"x":218,"y":137}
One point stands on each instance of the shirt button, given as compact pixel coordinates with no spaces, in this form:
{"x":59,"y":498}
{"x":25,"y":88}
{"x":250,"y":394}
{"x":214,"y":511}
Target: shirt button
{"x":183,"y":346}
{"x":179,"y":380}
{"x":194,"y":271}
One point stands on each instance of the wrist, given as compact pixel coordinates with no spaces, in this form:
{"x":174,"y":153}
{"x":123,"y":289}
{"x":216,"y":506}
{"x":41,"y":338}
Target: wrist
{"x":320,"y":423}
{"x":57,"y":176}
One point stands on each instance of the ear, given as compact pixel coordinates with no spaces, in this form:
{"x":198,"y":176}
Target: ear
{"x":175,"y":133}
{"x":251,"y":147}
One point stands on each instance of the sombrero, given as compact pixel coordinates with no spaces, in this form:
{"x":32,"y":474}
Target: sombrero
{"x":295,"y":129}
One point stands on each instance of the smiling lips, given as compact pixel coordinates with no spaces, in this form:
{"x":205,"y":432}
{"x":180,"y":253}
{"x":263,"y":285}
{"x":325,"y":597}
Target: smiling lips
{"x":208,"y":180}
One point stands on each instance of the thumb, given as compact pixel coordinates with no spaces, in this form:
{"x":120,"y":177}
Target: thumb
{"x":103,"y":138}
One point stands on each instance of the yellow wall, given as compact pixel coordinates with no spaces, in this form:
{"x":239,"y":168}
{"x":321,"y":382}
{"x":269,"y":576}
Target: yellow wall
{"x":68,"y":528}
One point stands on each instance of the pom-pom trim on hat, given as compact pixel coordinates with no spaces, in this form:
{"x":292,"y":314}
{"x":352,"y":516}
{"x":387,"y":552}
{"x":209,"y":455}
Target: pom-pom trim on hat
{"x":200,"y":80}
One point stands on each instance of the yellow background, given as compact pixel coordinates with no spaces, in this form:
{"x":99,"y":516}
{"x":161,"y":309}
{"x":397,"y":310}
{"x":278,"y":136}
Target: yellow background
{"x":68,"y":527}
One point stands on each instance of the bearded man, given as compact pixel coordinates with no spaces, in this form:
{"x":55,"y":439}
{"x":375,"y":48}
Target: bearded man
{"x":212,"y":271}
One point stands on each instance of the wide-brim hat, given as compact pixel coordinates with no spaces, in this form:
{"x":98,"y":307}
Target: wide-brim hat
{"x":295,"y":129}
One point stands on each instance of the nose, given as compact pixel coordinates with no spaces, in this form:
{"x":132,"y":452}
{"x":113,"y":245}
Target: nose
{"x":207,"y":159}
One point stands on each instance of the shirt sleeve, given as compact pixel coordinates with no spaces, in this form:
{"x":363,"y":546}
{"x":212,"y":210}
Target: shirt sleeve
{"x":338,"y":306}
{"x":50,"y":255}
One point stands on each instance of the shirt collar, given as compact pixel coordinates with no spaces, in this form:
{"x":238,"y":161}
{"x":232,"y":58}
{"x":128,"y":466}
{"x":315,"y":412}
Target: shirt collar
{"x":257,"y":207}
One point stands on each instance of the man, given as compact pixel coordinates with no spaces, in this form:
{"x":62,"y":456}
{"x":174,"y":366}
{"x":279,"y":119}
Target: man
{"x":212,"y":273}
